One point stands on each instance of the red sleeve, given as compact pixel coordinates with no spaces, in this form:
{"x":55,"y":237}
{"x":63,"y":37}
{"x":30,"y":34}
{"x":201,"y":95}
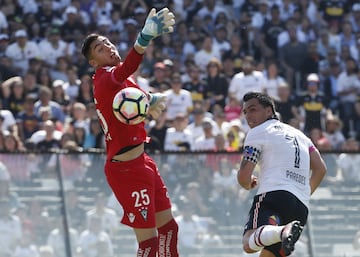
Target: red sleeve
{"x":129,"y":66}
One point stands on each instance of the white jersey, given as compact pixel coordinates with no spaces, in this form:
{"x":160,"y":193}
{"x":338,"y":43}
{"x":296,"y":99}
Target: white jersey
{"x":282,"y":153}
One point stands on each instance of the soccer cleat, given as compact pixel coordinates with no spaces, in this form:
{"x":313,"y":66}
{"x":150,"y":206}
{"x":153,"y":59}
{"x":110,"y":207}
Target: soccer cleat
{"x":289,"y":236}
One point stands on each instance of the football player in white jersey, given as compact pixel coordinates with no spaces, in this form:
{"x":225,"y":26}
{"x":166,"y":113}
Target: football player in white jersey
{"x":290,"y":169}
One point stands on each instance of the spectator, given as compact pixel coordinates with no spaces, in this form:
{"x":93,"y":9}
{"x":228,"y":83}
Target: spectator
{"x":330,"y":86}
{"x":178,"y":99}
{"x":348,"y":163}
{"x":211,"y":240}
{"x":220,"y":38}
{"x":17,"y":95}
{"x":312,"y":104}
{"x":26,"y":247}
{"x":7,"y":69}
{"x":85,"y":94}
{"x":348,"y":87}
{"x":260,"y":16}
{"x":79,"y":117}
{"x":45,"y":96}
{"x":109,"y":218}
{"x":196,"y":86}
{"x":53,"y":47}
{"x":195,"y":126}
{"x":43,"y":76}
{"x":59,"y":69}
{"x":94,"y":138}
{"x":47,"y":138}
{"x":292,"y":58}
{"x":221,"y":123}
{"x":56,"y":238}
{"x":159,"y":82}
{"x":75,"y":211}
{"x":73,"y":25}
{"x":11,"y":229}
{"x":217,"y":85}
{"x":207,"y":51}
{"x":284,"y":36}
{"x":178,"y":137}
{"x":224,"y":195}
{"x":206,"y":142}
{"x":312,"y":60}
{"x":21,"y":51}
{"x":46,"y":251}
{"x":320,"y":141}
{"x":30,"y":84}
{"x":273,"y":79}
{"x":331,"y":18}
{"x":247,"y":80}
{"x":190,"y":229}
{"x":39,"y":216}
{"x":356,"y":240}
{"x":72,"y":83}
{"x":94,"y":241}
{"x":8,"y":122}
{"x":354,"y":17}
{"x":269,"y":33}
{"x":211,"y":8}
{"x":157,"y":132}
{"x":232,"y":109}
{"x":59,"y":96}
{"x":228,"y":67}
{"x":4,"y":42}
{"x":347,"y":36}
{"x":5,"y":187}
{"x":12,"y":143}
{"x":333,"y":131}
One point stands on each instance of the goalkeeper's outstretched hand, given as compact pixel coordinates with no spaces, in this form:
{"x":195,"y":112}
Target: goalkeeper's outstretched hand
{"x":157,"y":104}
{"x":156,"y":24}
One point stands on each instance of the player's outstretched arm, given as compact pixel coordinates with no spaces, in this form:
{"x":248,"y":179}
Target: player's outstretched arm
{"x":156,"y":24}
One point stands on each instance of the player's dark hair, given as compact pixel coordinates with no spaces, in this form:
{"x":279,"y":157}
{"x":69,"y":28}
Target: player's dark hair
{"x":85,"y":48}
{"x":264,"y":100}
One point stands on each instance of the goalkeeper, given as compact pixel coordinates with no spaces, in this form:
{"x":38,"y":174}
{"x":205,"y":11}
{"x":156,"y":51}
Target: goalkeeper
{"x":131,"y":173}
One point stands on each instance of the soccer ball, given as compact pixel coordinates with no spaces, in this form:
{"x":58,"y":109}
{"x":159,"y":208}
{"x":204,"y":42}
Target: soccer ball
{"x":131,"y":105}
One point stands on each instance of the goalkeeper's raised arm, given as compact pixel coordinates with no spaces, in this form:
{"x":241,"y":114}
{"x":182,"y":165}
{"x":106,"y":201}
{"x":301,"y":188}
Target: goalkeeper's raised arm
{"x":156,"y":24}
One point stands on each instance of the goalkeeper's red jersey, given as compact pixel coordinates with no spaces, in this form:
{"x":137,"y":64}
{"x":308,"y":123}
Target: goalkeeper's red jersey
{"x":107,"y":82}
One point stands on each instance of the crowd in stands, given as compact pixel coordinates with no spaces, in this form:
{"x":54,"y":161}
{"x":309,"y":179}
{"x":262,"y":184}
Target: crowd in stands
{"x":305,"y":54}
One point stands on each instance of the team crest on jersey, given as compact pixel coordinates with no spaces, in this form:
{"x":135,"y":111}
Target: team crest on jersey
{"x":144,"y":213}
{"x":131,"y":217}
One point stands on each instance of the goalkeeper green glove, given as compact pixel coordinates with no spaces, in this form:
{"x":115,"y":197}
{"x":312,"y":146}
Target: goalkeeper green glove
{"x":156,"y":24}
{"x":157,"y":104}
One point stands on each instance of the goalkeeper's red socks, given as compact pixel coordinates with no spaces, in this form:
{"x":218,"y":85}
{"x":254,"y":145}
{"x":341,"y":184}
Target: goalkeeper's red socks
{"x":168,"y":239}
{"x":148,"y":248}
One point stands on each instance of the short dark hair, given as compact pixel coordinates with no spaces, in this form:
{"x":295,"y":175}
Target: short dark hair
{"x":264,"y":100}
{"x":85,"y":48}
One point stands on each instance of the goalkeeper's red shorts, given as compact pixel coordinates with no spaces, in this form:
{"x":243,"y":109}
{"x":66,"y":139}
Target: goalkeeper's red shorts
{"x":139,"y":188}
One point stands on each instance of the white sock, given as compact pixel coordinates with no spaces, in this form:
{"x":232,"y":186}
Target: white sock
{"x":264,"y":236}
